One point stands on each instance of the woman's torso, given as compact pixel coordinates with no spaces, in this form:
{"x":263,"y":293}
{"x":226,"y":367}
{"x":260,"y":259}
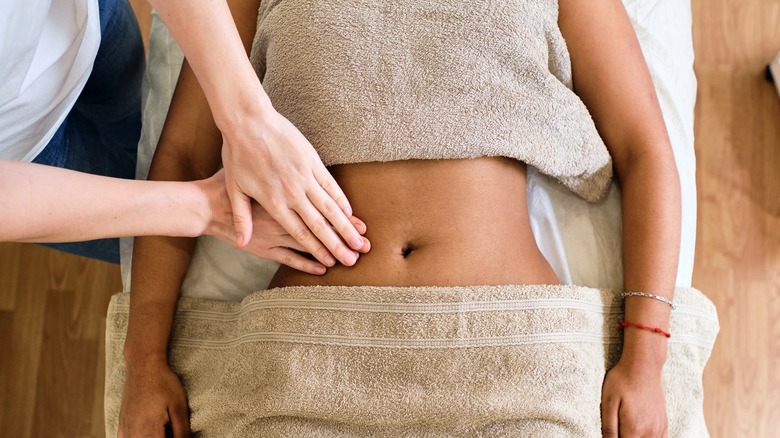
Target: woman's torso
{"x":395,"y":80}
{"x":437,"y":222}
{"x":46,"y":64}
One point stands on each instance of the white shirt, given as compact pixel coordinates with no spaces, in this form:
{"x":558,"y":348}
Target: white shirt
{"x":47,"y":49}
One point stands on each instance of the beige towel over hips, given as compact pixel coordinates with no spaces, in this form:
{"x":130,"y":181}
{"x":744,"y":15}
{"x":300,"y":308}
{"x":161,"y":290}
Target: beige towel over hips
{"x":387,"y":80}
{"x":490,"y":361}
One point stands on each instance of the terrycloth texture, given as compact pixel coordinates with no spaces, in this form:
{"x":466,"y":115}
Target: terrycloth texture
{"x":581,"y":241}
{"x":412,"y":361}
{"x":387,"y":80}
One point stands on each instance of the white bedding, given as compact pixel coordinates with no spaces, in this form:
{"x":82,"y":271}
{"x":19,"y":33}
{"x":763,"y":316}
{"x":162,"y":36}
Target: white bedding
{"x":581,"y":241}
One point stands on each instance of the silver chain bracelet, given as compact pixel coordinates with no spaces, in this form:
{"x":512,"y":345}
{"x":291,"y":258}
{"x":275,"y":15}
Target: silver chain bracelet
{"x":647,"y":295}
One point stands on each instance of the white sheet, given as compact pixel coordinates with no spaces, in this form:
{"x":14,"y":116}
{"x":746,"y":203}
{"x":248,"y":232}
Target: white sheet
{"x":581,"y":241}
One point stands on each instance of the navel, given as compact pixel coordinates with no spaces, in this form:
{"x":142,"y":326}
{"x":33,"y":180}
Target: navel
{"x":407,"y":250}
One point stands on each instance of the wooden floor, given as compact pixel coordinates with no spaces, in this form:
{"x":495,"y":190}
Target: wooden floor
{"x":52,"y":306}
{"x":738,"y":247}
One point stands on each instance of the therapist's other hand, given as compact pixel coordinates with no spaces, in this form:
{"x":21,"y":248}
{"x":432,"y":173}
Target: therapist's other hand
{"x":633,"y":403}
{"x":267,"y":159}
{"x":152,"y":399}
{"x":269,"y":240}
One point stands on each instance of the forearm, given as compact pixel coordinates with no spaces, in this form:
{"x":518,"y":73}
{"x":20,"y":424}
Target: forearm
{"x":47,"y":204}
{"x":211,"y":40}
{"x":651,"y":236}
{"x":159,"y":267}
{"x":188,"y":150}
{"x":611,"y":77}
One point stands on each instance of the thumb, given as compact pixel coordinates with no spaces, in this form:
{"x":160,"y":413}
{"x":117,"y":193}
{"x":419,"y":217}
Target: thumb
{"x":241,"y":205}
{"x":609,"y":418}
{"x":180,"y":422}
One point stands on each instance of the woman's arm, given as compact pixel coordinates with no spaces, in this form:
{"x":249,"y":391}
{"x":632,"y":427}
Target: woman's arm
{"x":46,"y":204}
{"x":611,"y":77}
{"x":188,"y":149}
{"x":265,"y":157}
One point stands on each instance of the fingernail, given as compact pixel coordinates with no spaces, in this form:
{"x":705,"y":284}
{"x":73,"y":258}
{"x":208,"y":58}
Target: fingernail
{"x":348,"y":210}
{"x":239,"y":240}
{"x":319,"y":270}
{"x":357,"y":242}
{"x":329,"y":261}
{"x":350,"y":258}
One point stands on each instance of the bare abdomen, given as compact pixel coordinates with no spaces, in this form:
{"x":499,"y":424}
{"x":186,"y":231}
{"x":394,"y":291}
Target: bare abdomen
{"x":437,"y":223}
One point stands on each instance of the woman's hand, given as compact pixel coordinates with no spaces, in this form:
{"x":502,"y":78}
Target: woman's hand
{"x":633,"y":403}
{"x":152,"y":399}
{"x":267,"y":159}
{"x":269,"y":240}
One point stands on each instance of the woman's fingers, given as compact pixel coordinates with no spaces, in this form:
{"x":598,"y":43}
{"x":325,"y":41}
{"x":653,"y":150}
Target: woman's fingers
{"x":294,"y":260}
{"x":326,"y":181}
{"x":330,"y":211}
{"x":359,"y":225}
{"x":284,"y":174}
{"x":300,"y":231}
{"x":242,"y":216}
{"x":321,"y":229}
{"x":240,"y":202}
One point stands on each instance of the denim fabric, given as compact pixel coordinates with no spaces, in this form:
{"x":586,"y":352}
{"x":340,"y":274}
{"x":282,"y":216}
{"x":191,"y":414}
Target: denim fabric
{"x":100,"y":134}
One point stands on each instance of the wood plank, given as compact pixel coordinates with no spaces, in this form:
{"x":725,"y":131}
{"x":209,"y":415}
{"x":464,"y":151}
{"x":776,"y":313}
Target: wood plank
{"x":52,"y":369}
{"x":63,"y":401}
{"x":738,"y":248}
{"x":9,"y":262}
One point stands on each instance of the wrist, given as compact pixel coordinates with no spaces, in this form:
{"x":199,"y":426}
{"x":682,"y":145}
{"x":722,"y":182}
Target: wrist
{"x":238,"y":106}
{"x":644,"y":349}
{"x":215,"y":212}
{"x":143,"y":357}
{"x":201,"y":206}
{"x":196,"y":209}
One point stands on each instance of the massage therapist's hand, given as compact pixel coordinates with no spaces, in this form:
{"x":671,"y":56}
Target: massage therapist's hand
{"x":153,"y":397}
{"x":633,"y":403}
{"x":267,"y":159}
{"x":269,"y":240}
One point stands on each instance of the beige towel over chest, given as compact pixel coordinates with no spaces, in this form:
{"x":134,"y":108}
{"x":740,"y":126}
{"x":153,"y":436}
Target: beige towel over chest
{"x":388,"y":80}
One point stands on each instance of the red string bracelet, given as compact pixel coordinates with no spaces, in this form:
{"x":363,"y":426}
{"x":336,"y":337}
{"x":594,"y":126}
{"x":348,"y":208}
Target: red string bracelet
{"x":624,"y":324}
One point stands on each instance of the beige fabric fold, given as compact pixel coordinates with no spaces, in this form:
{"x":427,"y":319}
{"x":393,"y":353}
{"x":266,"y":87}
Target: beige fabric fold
{"x":412,"y":361}
{"x":389,"y":80}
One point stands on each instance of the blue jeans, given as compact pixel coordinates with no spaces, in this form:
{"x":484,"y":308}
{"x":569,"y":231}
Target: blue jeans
{"x":100,"y":134}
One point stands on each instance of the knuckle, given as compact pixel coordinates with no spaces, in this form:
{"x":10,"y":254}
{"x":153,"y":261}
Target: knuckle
{"x":301,"y":234}
{"x":286,"y":259}
{"x":327,"y":183}
{"x":322,"y":253}
{"x":349,"y":232}
{"x":609,"y":431}
{"x":287,"y":188}
{"x":329,"y":207}
{"x":276,"y":203}
{"x":610,"y":400}
{"x":319,"y":225}
{"x":238,"y":217}
{"x":342,"y":250}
